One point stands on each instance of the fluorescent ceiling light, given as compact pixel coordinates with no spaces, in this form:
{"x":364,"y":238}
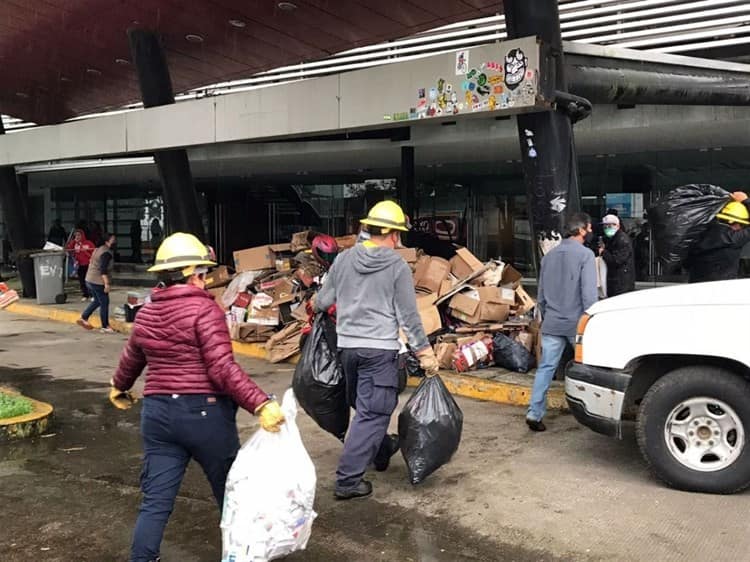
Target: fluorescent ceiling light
{"x":664,"y":31}
{"x":643,"y":21}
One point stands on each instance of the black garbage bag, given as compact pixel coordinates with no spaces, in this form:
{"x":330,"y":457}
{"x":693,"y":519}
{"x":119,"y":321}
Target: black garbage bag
{"x":681,"y":217}
{"x":429,"y":428}
{"x":510,"y":354}
{"x":408,"y":366}
{"x":318,"y":382}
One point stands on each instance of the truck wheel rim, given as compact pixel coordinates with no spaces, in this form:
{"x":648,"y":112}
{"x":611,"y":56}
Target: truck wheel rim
{"x":704,"y":434}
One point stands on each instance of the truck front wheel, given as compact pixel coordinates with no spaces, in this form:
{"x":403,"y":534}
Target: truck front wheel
{"x":693,"y":430}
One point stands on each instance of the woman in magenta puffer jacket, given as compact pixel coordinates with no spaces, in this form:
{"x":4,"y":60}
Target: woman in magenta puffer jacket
{"x":193,"y":386}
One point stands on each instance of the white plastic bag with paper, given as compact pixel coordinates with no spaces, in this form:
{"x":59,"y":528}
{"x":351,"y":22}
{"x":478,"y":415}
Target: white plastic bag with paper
{"x":270,"y":491}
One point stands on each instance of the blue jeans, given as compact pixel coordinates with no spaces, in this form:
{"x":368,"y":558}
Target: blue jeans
{"x":553,"y":348}
{"x":372,"y":390}
{"x":176,"y":428}
{"x":101,"y":300}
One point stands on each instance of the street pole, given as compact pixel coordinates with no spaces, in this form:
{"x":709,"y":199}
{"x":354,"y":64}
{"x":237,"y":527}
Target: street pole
{"x":547,"y":149}
{"x":180,"y":197}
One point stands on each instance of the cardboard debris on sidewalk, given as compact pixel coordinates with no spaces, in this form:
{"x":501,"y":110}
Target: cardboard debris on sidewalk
{"x":460,"y":300}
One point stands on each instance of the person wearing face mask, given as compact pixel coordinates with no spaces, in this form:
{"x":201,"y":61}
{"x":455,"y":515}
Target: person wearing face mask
{"x":372,"y":288}
{"x":567,"y":288}
{"x":617,"y":253}
{"x":192,"y":391}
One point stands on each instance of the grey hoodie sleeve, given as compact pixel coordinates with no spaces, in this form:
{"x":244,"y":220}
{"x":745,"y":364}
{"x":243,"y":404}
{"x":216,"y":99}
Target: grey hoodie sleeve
{"x":326,"y":297}
{"x":405,"y":301}
{"x":589,"y":292}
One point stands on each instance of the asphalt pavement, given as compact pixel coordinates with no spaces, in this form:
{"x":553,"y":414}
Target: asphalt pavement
{"x":508,"y":494}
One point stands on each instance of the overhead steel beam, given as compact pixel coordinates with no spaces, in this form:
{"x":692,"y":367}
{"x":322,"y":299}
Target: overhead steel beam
{"x":612,"y":75}
{"x":548,"y":153}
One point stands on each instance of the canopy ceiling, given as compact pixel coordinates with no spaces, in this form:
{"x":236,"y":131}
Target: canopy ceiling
{"x":63,"y":58}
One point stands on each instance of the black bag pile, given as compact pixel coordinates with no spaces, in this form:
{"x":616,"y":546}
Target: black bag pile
{"x":318,"y":382}
{"x":510,"y":354}
{"x":429,"y":428}
{"x":680,"y":219}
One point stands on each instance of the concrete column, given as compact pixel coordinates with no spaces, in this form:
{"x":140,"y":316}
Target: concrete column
{"x":547,"y":147}
{"x":13,"y":204}
{"x":407,"y":187}
{"x":180,"y":197}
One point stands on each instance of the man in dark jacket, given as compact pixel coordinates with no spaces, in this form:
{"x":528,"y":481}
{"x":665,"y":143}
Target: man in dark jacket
{"x":617,"y":253}
{"x":716,"y":256}
{"x":373,"y":290}
{"x":193,"y":387}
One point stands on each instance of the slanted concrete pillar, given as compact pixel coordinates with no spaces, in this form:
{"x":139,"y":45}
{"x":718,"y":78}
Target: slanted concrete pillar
{"x":407,"y":187}
{"x":12,"y":201}
{"x":180,"y":197}
{"x":547,"y":147}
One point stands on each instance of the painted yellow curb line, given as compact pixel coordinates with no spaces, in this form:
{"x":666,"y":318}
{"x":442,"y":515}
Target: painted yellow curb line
{"x":59,"y":315}
{"x":495,"y":391}
{"x":28,"y":425}
{"x":461,"y":385}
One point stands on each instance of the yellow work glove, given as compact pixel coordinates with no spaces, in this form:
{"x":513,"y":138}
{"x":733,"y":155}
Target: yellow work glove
{"x":121,"y":399}
{"x":270,"y":416}
{"x":428,"y":361}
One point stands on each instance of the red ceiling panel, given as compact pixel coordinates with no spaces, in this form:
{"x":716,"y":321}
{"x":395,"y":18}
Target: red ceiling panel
{"x":46,"y":46}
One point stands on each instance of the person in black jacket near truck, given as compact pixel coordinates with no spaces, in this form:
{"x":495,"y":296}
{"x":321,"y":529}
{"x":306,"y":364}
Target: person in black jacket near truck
{"x":617,"y":253}
{"x":716,"y":256}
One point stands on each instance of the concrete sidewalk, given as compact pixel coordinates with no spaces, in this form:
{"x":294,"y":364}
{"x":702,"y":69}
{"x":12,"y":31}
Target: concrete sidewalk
{"x":493,"y":385}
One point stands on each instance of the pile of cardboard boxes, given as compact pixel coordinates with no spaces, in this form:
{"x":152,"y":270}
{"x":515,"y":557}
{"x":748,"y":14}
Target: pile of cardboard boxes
{"x":459,"y":300}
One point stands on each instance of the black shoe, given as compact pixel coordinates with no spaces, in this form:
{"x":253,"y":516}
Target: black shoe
{"x":361,"y":490}
{"x":388,"y":448}
{"x":536,"y":425}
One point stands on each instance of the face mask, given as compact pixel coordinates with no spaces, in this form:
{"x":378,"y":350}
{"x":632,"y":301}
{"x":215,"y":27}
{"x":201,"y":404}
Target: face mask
{"x":610,"y":231}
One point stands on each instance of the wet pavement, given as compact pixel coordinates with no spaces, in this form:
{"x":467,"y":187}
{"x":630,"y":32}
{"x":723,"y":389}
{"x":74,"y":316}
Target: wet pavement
{"x":567,"y":495}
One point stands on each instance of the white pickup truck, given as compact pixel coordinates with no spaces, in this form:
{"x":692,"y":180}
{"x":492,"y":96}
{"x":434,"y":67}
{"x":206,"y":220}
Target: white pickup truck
{"x":676,"y":361}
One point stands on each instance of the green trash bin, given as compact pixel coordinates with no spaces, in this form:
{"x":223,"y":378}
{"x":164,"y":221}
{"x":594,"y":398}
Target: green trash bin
{"x":49,"y":277}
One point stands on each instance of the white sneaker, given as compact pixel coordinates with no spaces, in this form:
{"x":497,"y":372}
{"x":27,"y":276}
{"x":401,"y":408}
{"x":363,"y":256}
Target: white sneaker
{"x":107,"y":331}
{"x":84,"y":299}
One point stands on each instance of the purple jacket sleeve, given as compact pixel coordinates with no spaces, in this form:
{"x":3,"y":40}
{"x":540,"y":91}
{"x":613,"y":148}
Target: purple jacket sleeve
{"x":224,"y":372}
{"x":132,"y":363}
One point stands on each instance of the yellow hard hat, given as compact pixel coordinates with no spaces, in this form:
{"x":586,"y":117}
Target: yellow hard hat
{"x":387,"y":215}
{"x":735,"y":212}
{"x":182,"y":251}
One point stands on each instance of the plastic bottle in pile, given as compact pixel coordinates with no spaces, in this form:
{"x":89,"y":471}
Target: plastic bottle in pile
{"x":471,"y":355}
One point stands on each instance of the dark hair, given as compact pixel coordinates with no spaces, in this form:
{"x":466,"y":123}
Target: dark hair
{"x":576,"y":222}
{"x":171,"y":277}
{"x":612,"y":212}
{"x":377,"y":231}
{"x":108,"y":236}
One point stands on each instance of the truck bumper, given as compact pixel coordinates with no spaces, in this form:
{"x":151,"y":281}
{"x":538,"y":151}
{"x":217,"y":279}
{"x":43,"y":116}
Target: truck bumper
{"x":596,"y":396}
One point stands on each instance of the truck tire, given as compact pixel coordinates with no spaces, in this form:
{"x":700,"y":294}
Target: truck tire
{"x":693,"y":430}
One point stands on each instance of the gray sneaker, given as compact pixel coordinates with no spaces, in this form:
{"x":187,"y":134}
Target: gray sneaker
{"x":107,"y":331}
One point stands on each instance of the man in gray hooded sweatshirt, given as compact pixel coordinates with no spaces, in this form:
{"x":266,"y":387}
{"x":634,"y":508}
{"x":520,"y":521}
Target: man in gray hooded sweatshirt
{"x":373,"y":290}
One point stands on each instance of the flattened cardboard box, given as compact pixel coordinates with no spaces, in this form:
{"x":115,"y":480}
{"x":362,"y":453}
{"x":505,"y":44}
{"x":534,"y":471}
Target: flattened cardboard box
{"x":465,"y":306}
{"x":444,"y":353}
{"x":464,"y":263}
{"x":219,"y":277}
{"x":250,"y":333}
{"x":525,"y":302}
{"x":431,"y":321}
{"x":409,"y":254}
{"x":436,"y":272}
{"x":259,"y":258}
{"x":263,"y":316}
{"x":491,"y":306}
{"x":511,"y":277}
